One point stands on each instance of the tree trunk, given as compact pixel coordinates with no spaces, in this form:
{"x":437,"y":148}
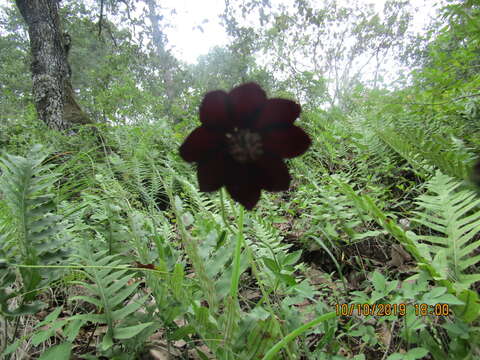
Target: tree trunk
{"x":52,"y":90}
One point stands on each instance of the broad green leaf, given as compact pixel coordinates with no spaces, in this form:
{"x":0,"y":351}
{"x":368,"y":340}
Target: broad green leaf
{"x":182,"y":332}
{"x":416,"y":353}
{"x":89,"y":299}
{"x":12,"y":347}
{"x":57,"y":352}
{"x":271,"y":264}
{"x":124,"y":311}
{"x":50,"y":317}
{"x":130,"y":331}
{"x":42,"y":335}
{"x":72,"y":329}
{"x":471,"y":310}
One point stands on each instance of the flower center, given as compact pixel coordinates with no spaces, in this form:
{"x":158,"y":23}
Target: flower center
{"x":244,"y":145}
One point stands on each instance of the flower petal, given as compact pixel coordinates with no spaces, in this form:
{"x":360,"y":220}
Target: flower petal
{"x":246,"y":99}
{"x":274,"y":174}
{"x":278,"y":111}
{"x":243,"y":185}
{"x":286,"y":143}
{"x":211,"y":172}
{"x":214,"y":109}
{"x":246,"y":196}
{"x":199,"y":144}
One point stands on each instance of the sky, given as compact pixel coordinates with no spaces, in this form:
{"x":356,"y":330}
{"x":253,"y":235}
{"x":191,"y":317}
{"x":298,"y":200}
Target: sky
{"x":189,"y":42}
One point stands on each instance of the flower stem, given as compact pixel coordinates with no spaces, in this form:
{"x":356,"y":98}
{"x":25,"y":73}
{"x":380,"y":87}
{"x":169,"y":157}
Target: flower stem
{"x":236,"y":257}
{"x":232,"y":305}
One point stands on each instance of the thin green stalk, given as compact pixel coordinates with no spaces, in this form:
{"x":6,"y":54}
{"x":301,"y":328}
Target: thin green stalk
{"x":297,"y":332}
{"x":236,"y":257}
{"x":81,"y":267}
{"x":232,"y":300}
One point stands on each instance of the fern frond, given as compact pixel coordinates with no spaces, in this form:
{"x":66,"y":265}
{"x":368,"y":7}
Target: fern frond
{"x":110,"y":289}
{"x":139,"y":177}
{"x":33,"y":231}
{"x":402,"y":146}
{"x":452,"y":216}
{"x":199,"y":201}
{"x":447,"y":153}
{"x":268,"y":239}
{"x":407,"y":238}
{"x":423,"y":151}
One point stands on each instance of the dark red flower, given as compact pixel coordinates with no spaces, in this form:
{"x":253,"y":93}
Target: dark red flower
{"x":242,"y":140}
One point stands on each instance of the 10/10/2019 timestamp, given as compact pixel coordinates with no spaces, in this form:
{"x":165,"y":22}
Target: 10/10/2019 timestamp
{"x":391,"y":309}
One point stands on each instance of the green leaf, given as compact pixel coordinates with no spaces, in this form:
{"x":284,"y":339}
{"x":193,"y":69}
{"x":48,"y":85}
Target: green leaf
{"x":130,"y":331}
{"x":379,"y":282}
{"x":42,"y":335}
{"x":88,"y":299}
{"x":292,"y":258}
{"x":116,"y":285}
{"x":287,"y":278}
{"x":396,"y":356}
{"x":181,"y":332}
{"x":457,"y":329}
{"x":221,"y":240}
{"x":437,"y":295}
{"x":271,"y":264}
{"x":416,"y":353}
{"x":123,"y":294}
{"x":12,"y":347}
{"x":435,"y":292}
{"x":107,"y":341}
{"x":124,"y":311}
{"x":50,"y":317}
{"x":57,"y":352}
{"x":90,"y":317}
{"x":471,"y":310}
{"x":72,"y":329}
{"x":448,"y":299}
{"x":259,"y":314}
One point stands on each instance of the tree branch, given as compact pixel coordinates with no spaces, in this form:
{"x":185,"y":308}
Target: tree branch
{"x":100,"y":20}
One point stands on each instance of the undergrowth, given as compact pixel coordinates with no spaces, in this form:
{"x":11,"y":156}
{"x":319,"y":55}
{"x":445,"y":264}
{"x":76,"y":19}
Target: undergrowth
{"x":352,"y":262}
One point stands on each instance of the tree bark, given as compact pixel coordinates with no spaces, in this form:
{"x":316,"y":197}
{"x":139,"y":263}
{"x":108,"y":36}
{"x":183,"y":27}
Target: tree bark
{"x":52,"y":89}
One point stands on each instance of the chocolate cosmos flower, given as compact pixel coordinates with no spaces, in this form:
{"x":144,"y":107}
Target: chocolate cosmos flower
{"x":242,"y":140}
